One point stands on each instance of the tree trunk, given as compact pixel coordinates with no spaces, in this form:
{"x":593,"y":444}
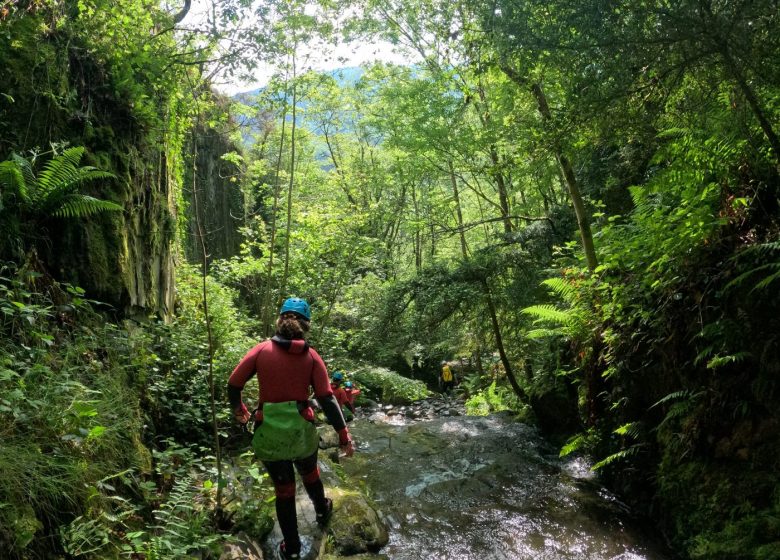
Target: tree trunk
{"x":459,"y":212}
{"x":500,"y":344}
{"x":571,"y":182}
{"x":755,"y":104}
{"x":565,"y":165}
{"x":286,"y":275}
{"x":268,"y":300}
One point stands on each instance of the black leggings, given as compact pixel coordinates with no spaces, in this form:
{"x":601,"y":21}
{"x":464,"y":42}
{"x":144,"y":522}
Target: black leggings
{"x":283,"y":477}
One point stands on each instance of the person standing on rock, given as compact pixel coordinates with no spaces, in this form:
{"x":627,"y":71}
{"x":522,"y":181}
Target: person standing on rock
{"x":447,"y":378}
{"x":285,"y":436}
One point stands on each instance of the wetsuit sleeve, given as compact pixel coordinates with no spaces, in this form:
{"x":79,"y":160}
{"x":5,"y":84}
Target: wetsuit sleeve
{"x":324,"y":395}
{"x":332,"y":412}
{"x":243,"y":373}
{"x":319,"y":376}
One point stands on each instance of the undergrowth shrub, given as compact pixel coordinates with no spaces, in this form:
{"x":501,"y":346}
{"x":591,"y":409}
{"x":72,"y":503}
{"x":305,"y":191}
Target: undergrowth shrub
{"x":69,"y":416}
{"x":176,"y":371}
{"x":492,"y":399}
{"x":388,"y":386}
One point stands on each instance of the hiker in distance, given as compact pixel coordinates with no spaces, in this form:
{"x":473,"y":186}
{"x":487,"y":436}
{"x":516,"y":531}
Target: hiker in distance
{"x":285,"y":436}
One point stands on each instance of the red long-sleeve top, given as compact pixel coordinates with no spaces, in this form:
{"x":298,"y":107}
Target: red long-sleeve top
{"x":286,"y":371}
{"x":283,"y":374}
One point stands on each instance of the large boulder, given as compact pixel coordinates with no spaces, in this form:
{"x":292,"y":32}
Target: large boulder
{"x":356,"y":526}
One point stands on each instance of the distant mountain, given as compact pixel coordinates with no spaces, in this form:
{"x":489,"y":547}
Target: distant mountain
{"x":348,"y":76}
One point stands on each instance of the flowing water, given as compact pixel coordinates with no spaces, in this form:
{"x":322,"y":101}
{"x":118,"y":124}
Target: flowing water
{"x":487,"y":488}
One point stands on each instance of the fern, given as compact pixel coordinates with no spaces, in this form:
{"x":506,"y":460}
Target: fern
{"x":620,"y":455}
{"x":720,"y":361}
{"x":761,"y":251}
{"x":561,"y":287}
{"x":573,"y":445}
{"x":54,"y":191}
{"x":631,"y":429}
{"x":11,"y":180}
{"x":684,"y":394}
{"x":551,"y":314}
{"x":80,"y":206}
{"x":537,"y":334}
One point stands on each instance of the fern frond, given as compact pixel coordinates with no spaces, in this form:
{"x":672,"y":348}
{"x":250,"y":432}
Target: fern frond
{"x":720,"y":361}
{"x":622,"y":454}
{"x":769,"y":279}
{"x":677,"y":410}
{"x":631,"y":429}
{"x":537,"y":334}
{"x":11,"y":180}
{"x":573,"y":445}
{"x":684,"y":394}
{"x":561,"y":287}
{"x":80,"y":206}
{"x":703,"y":355}
{"x":551,"y":314}
{"x":27,"y":172}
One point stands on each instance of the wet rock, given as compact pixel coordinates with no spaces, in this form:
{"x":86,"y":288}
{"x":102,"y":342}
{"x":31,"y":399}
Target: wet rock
{"x":357,"y":557}
{"x":328,"y":437}
{"x":355,"y":525}
{"x":369,"y":404}
{"x":244,"y":548}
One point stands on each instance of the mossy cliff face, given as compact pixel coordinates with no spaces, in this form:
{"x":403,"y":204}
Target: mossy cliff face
{"x":57,"y":87}
{"x":220,"y":200}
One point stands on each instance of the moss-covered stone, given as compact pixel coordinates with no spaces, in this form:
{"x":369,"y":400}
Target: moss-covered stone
{"x":355,"y":526}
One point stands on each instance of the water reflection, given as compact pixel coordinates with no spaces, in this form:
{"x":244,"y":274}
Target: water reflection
{"x":487,"y":488}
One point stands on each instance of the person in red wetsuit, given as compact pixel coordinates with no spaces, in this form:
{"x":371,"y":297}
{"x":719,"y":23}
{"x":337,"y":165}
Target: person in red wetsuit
{"x":352,"y":392}
{"x":340,"y":393}
{"x":287,"y":368}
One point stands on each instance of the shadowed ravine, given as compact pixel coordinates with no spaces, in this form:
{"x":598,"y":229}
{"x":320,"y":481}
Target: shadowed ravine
{"x":487,"y":487}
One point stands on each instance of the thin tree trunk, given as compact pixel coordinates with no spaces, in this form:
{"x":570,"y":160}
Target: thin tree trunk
{"x":459,"y":212}
{"x":569,"y":177}
{"x":417,"y":238}
{"x":571,"y":182}
{"x":268,"y":300}
{"x":755,"y":104}
{"x":500,"y":344}
{"x":204,"y":273}
{"x":285,"y":276}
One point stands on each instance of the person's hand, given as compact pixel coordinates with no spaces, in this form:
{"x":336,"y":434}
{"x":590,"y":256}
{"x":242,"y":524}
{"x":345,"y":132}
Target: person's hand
{"x":345,"y":443}
{"x":347,"y":448}
{"x":242,"y":414}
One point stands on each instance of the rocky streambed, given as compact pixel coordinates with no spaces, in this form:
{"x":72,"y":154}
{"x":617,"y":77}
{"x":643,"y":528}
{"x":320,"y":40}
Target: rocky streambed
{"x":428,"y":482}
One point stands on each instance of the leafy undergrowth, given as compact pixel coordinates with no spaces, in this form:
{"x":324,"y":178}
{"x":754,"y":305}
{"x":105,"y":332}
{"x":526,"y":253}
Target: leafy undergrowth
{"x":492,"y":399}
{"x":389,"y":386}
{"x":104,"y":441}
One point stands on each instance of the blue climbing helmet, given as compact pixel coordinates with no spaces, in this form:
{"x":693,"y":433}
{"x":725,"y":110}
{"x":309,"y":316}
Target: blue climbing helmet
{"x":298,"y":306}
{"x":348,"y":384}
{"x":338,"y":376}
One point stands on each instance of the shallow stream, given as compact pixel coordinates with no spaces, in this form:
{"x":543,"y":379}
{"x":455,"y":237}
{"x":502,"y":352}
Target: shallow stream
{"x":459,"y":488}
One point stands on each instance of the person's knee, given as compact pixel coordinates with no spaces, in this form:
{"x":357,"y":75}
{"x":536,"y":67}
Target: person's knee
{"x":312,"y":476}
{"x":284,"y":490}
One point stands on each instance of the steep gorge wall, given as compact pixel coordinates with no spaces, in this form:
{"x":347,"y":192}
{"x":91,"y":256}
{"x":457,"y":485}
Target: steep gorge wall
{"x":54,"y":92}
{"x":220,"y":200}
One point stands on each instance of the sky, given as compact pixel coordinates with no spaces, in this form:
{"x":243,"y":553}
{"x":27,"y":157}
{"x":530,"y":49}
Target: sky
{"x":319,"y":57}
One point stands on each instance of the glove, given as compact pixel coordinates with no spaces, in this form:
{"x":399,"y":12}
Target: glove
{"x":241,"y":414}
{"x":345,"y":443}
